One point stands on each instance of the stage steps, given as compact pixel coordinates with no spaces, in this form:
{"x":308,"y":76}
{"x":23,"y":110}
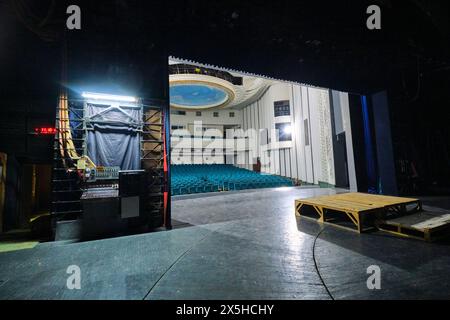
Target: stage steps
{"x":425,"y":225}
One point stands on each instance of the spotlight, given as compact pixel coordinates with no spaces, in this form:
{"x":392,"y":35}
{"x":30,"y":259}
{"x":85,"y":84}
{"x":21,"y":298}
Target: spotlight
{"x":283,"y":188}
{"x":287,"y":129}
{"x":111,"y":97}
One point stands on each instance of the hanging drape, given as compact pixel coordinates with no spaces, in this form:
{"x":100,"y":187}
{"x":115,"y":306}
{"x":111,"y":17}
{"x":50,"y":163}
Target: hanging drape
{"x":113,"y":137}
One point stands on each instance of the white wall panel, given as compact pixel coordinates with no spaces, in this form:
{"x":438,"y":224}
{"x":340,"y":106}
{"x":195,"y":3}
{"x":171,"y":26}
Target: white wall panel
{"x":348,"y":140}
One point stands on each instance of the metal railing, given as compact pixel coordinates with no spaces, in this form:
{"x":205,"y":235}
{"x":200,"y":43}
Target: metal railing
{"x":190,"y":69}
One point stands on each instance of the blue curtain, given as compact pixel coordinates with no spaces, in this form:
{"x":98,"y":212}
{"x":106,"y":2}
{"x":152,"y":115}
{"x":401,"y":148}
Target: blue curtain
{"x":370,"y":154}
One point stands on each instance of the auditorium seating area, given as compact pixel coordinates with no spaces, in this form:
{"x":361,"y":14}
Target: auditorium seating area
{"x":199,"y":178}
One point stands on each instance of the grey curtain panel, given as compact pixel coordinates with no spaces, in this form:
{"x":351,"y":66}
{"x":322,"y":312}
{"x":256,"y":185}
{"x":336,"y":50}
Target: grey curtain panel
{"x":113,"y":138}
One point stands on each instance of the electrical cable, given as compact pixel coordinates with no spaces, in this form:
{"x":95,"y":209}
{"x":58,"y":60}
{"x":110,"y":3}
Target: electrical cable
{"x":316,"y":265}
{"x":198,"y":242}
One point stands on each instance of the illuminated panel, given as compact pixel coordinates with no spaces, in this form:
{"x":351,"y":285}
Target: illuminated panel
{"x":45,"y":130}
{"x":109,"y":97}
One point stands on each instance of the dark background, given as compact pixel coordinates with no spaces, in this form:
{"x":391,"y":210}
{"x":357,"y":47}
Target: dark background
{"x":123,"y":47}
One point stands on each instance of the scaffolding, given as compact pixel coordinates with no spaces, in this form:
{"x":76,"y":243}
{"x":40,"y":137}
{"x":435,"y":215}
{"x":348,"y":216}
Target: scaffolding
{"x":152,"y":160}
{"x":70,"y":145}
{"x":66,"y":184}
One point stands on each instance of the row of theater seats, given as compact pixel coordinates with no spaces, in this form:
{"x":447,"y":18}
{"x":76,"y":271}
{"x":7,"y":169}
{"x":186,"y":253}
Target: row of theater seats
{"x":198,"y":178}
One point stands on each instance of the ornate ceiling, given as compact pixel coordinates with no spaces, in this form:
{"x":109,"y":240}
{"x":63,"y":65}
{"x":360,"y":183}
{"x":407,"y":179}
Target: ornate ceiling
{"x":196,"y":89}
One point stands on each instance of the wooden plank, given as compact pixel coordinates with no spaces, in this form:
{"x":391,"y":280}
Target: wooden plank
{"x":421,"y":220}
{"x":433,"y":222}
{"x":374,"y":199}
{"x":336,"y":202}
{"x":428,"y":226}
{"x":339,"y":205}
{"x":375,"y":196}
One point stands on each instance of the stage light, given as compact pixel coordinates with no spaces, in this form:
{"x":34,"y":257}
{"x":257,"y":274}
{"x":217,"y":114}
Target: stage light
{"x":110,"y":97}
{"x":287,"y":129}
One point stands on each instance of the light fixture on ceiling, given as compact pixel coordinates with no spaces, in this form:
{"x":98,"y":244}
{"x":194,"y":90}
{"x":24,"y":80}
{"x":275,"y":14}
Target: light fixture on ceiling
{"x":287,"y":129}
{"x":109,"y":97}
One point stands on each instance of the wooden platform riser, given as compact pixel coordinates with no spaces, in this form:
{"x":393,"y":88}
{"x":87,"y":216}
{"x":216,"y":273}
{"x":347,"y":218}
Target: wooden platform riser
{"x":355,"y":218}
{"x":429,"y":235}
{"x":358,"y":208}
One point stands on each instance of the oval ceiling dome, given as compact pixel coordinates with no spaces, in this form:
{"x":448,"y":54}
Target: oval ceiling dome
{"x":197,"y":95}
{"x":197,"y":91}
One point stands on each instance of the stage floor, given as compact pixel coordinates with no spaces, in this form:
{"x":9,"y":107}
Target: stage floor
{"x":240,"y":245}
